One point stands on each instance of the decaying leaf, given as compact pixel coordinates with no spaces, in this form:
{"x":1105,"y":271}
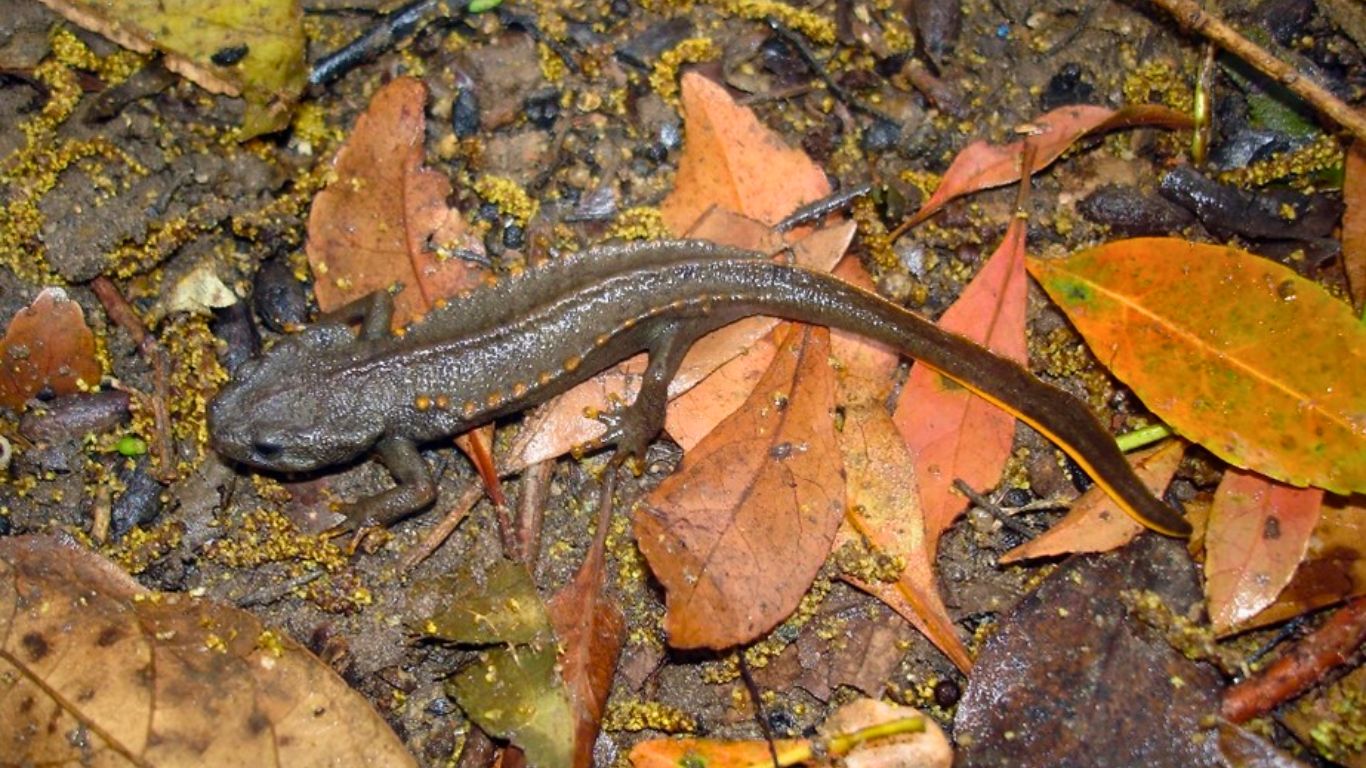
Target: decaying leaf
{"x":94,"y":669}
{"x":737,"y":534}
{"x":1330,"y":721}
{"x":981,"y":165}
{"x":1203,"y":334}
{"x":730,"y":160}
{"x":1094,"y":523}
{"x":384,"y":220}
{"x":882,"y":505}
{"x":513,"y":689}
{"x":591,"y":630}
{"x":1258,"y":532}
{"x":253,"y":48}
{"x":47,"y":346}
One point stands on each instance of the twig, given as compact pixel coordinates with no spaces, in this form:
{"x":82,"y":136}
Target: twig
{"x":531,"y":512}
{"x":124,"y":316}
{"x":1191,"y":15}
{"x":805,"y":53}
{"x":394,"y":27}
{"x":1300,"y":668}
{"x":995,"y":509}
{"x":438,"y":535}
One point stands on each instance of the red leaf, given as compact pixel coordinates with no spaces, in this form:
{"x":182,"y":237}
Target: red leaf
{"x":1354,"y":224}
{"x":982,"y":166}
{"x":1258,"y":532}
{"x":953,"y":433}
{"x":47,"y":346}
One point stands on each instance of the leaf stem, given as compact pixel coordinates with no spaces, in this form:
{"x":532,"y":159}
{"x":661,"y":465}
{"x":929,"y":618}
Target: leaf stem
{"x":844,"y":742}
{"x":1142,"y":437}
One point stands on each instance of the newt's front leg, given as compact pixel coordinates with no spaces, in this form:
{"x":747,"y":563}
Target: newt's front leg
{"x":414,"y":489}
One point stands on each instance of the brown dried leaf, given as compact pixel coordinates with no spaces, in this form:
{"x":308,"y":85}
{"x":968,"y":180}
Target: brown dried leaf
{"x":737,"y":534}
{"x":1354,"y":224}
{"x":97,"y":670}
{"x":384,"y":220}
{"x":47,"y":345}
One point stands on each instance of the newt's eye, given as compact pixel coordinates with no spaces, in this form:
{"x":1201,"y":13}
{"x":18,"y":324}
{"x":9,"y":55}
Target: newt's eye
{"x":267,"y":449}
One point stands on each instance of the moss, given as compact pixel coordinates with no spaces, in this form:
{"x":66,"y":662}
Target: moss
{"x":1159,"y":82}
{"x":510,"y":198}
{"x":266,"y":536}
{"x":1300,"y":165}
{"x":809,"y":23}
{"x":635,"y":715}
{"x":141,"y":547}
{"x":640,"y":223}
{"x":664,"y":77}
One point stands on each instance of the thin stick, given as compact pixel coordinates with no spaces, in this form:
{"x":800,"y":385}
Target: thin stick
{"x":438,"y":535}
{"x":1191,"y":15}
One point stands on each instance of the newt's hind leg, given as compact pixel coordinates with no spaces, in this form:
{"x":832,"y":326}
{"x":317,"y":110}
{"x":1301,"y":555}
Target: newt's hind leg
{"x":631,"y":428}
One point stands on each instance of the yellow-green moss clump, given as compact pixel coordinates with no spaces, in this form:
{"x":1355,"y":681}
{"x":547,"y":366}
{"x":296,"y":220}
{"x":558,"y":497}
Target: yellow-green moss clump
{"x":266,"y":536}
{"x":1300,"y":165}
{"x":664,"y":77}
{"x":140,"y":547}
{"x":641,"y":223}
{"x":813,"y":25}
{"x":1158,"y":82}
{"x":510,"y":198}
{"x":636,"y":715}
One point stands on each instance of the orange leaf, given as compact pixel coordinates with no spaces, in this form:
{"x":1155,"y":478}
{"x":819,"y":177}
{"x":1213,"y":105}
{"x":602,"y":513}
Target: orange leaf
{"x":1354,"y":224}
{"x":1237,"y":353}
{"x":737,"y":534}
{"x":881,"y":504}
{"x":47,"y":346}
{"x":376,"y":225}
{"x":1333,"y":569}
{"x":982,"y":166}
{"x":1094,"y":523}
{"x":732,"y":161}
{"x":1258,"y":533}
{"x":953,"y":433}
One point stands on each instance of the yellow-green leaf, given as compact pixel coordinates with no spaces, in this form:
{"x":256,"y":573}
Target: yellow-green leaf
{"x":248,"y":48}
{"x":1237,"y":353}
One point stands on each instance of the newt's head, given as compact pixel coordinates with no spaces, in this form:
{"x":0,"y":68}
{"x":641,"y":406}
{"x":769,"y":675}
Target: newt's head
{"x":283,"y":411}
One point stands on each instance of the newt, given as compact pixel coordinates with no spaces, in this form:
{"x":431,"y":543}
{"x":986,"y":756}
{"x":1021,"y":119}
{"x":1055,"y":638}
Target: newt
{"x":328,"y":395}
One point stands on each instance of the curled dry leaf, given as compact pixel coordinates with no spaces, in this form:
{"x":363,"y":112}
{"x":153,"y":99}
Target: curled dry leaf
{"x":737,"y":534}
{"x":1258,"y":532}
{"x":250,"y":48}
{"x":47,"y":346}
{"x":96,"y":670}
{"x":1202,"y":334}
{"x":1094,"y":523}
{"x":981,"y":165}
{"x":384,"y":220}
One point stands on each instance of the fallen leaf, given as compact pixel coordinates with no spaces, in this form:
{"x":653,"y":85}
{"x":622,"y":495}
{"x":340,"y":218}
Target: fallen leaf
{"x":512,"y":690}
{"x":1202,"y":334}
{"x":378,"y":223}
{"x":1333,"y":569}
{"x":591,"y":630}
{"x":861,"y":734}
{"x":1071,"y":678}
{"x":514,"y":693}
{"x":47,"y":346}
{"x":952,"y":433}
{"x":981,"y":165}
{"x":737,"y":534}
{"x":859,"y":648}
{"x":253,"y":49}
{"x":1354,"y":224}
{"x":1094,"y":523}
{"x":99,"y":671}
{"x":882,"y":505}
{"x":1258,"y":532}
{"x":730,"y":160}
